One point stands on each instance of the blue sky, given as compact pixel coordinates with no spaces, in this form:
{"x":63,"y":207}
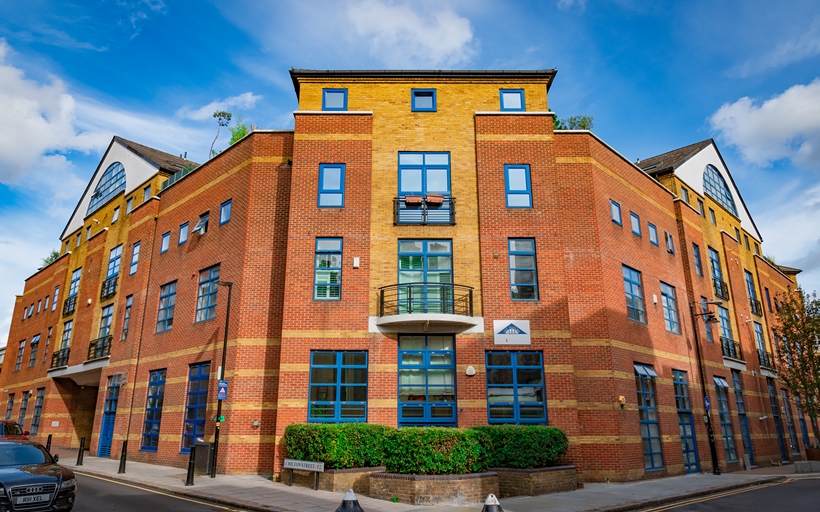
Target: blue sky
{"x":655,"y":77}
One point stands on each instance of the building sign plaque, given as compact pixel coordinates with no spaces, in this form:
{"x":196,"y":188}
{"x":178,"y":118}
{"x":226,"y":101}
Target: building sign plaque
{"x":511,"y":332}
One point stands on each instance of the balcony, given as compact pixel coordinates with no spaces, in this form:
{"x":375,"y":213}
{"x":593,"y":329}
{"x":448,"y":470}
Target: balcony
{"x":59,"y":358}
{"x":721,"y":288}
{"x":424,"y":210}
{"x":766,"y":360}
{"x":731,"y":348}
{"x":433,"y":307}
{"x":70,"y":305}
{"x":99,"y":348}
{"x":756,"y":306}
{"x":109,"y":287}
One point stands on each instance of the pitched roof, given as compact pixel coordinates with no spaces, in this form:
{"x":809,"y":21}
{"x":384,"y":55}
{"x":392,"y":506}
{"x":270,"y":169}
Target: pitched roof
{"x":672,"y":159}
{"x":166,"y":161}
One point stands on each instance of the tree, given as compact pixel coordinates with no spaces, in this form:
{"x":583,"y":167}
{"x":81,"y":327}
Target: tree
{"x":51,"y":258}
{"x":797,"y":336}
{"x":573,"y":123}
{"x":222,"y":119}
{"x":238,"y":130}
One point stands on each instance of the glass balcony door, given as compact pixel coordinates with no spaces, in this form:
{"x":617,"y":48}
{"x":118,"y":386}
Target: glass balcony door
{"x":426,"y":271}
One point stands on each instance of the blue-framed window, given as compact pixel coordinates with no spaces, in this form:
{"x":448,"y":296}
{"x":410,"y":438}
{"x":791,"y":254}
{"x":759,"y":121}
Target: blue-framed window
{"x":21,"y":419}
{"x":742,"y":418}
{"x":518,"y":186}
{"x":65,"y":341}
{"x":725,"y":324}
{"x":802,"y":419}
{"x":423,"y":100}
{"x":338,"y":386}
{"x":116,"y":215}
{"x":615,"y":212}
{"x":765,"y":291}
{"x":427,"y":386}
{"x":696,"y":256}
{"x":126,"y":317}
{"x":225,"y":212}
{"x":146,"y":193}
{"x":327,"y":270}
{"x":429,"y":265}
{"x":183,"y":234}
{"x":648,"y":415}
{"x":196,"y":404}
{"x":112,"y":394}
{"x":106,"y":317}
{"x":135,"y":258}
{"x":523,"y":270}
{"x":761,"y":342}
{"x":686,"y":424}
{"x":167,"y":301}
{"x":512,"y":100}
{"x":165,"y":243}
{"x":515,"y":388}
{"x":670,"y":308}
{"x":38,"y":411}
{"x":653,"y":233}
{"x":424,"y":188}
{"x":111,"y":183}
{"x":787,"y":407}
{"x":35,"y":343}
{"x":633,"y":288}
{"x":207,"y":293}
{"x":114,"y":259}
{"x":20,"y":350}
{"x":670,"y":242}
{"x":715,"y":186}
{"x":153,"y":411}
{"x":700,"y":208}
{"x":74,"y":285}
{"x":334,"y":99}
{"x":635,"y":223}
{"x":331,"y":185}
{"x":704,"y":307}
{"x":750,"y":285}
{"x":57,"y":297}
{"x":201,"y":226}
{"x":714,"y":260}
{"x":9,"y":406}
{"x":129,"y":205}
{"x":728,"y":433}
{"x":778,"y":426}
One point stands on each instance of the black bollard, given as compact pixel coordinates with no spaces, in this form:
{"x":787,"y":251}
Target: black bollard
{"x":491,"y":504}
{"x":123,"y":457}
{"x":189,"y":480}
{"x":48,"y":444}
{"x":349,"y":503}
{"x":82,"y":449}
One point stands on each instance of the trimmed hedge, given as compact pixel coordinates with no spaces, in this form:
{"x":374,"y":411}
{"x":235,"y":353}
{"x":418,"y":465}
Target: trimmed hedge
{"x":435,"y":451}
{"x":524,"y":446}
{"x":343,"y":446}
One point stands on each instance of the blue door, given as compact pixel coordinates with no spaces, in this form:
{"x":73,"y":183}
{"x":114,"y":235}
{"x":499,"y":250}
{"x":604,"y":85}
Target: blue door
{"x":112,"y":394}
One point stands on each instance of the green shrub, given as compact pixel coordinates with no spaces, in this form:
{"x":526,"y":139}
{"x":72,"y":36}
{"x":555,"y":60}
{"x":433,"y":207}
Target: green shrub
{"x":344,"y":446}
{"x":523,"y":447}
{"x":435,"y":451}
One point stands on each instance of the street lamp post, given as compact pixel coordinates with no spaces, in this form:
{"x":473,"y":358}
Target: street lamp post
{"x":221,"y":376}
{"x":709,"y":318}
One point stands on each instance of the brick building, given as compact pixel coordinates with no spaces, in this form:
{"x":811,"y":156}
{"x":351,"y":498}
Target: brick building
{"x":423,"y":248}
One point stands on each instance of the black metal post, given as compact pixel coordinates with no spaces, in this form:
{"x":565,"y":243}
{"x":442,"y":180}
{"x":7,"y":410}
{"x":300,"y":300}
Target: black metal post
{"x":48,"y":444}
{"x":709,"y":431}
{"x":189,"y":478}
{"x":82,"y":449}
{"x":221,"y":377}
{"x":123,"y":457}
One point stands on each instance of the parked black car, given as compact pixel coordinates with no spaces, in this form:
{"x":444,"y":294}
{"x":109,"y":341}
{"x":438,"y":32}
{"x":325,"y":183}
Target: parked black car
{"x":31,"y":479}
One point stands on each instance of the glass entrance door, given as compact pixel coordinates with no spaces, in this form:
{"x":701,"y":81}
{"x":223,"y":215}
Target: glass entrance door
{"x":427,"y":390}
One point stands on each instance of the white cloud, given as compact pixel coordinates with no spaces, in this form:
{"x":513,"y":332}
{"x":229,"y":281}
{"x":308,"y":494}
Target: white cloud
{"x":401,"y":36}
{"x":566,"y":4}
{"x":803,"y":46}
{"x":786,"y":126}
{"x":245,"y":100}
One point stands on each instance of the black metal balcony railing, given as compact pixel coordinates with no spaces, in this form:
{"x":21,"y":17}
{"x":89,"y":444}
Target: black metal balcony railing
{"x":60,"y":358}
{"x":757,"y":307}
{"x":109,"y":287}
{"x":409,"y":298}
{"x":731,"y":348}
{"x":766,"y":359}
{"x":721,"y":288}
{"x":424,"y":210}
{"x":101,"y":347}
{"x":69,"y":305}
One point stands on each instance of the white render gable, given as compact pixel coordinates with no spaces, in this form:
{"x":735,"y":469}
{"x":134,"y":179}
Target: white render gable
{"x":138,"y":170}
{"x":691,"y":173}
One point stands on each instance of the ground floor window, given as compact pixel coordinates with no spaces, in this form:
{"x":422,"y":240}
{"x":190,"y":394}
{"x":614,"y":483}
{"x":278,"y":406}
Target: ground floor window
{"x":23,"y":406}
{"x":338,"y":387}
{"x":686,"y":423}
{"x":795,"y":446}
{"x":742,"y":418}
{"x":648,"y":415}
{"x":193,"y":427}
{"x":427,"y":390}
{"x":153,"y":410}
{"x":515,"y":388}
{"x":722,"y":389}
{"x":9,"y":406}
{"x":38,"y":410}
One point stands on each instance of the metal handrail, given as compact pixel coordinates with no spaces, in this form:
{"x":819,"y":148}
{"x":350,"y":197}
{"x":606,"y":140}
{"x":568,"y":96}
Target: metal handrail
{"x":721,"y":288}
{"x":756,"y":306}
{"x":766,"y":359}
{"x":99,"y":348}
{"x":410,"y":298}
{"x":109,"y":287}
{"x":60,"y":358}
{"x":731,"y":348}
{"x":424,"y":210}
{"x":69,"y":305}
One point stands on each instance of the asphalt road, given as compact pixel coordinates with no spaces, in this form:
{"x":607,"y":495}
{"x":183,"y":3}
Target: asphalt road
{"x":796,"y":495}
{"x":96,"y":494}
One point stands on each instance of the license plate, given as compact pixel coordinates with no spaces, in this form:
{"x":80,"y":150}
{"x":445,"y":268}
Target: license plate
{"x":37,"y":498}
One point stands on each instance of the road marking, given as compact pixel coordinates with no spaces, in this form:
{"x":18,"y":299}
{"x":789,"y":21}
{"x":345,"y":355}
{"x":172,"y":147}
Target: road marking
{"x":161,"y":493}
{"x":714,"y":496}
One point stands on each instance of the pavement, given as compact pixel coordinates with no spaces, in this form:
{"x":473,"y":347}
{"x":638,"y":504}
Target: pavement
{"x":257,"y":493}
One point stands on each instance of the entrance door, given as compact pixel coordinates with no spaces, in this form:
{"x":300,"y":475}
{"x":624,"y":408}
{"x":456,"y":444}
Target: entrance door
{"x":112,"y":394}
{"x":427,"y":392}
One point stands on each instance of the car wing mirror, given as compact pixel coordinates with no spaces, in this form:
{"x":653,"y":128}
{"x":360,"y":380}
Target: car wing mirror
{"x":56,"y":457}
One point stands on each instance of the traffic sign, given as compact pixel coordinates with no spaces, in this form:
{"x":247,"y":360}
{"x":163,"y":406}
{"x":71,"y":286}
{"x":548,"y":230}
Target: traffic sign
{"x":222,"y":390}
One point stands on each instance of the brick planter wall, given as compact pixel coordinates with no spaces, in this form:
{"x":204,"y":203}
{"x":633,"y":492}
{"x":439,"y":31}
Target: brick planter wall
{"x":532,"y":482}
{"x":434,"y":489}
{"x":334,"y":480}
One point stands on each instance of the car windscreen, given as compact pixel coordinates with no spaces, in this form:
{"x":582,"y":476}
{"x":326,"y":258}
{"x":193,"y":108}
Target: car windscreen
{"x":20,"y":454}
{"x":12,"y":429}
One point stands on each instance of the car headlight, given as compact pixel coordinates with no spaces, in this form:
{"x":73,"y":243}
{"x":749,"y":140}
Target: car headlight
{"x":68,"y":484}
{"x":2,"y":491}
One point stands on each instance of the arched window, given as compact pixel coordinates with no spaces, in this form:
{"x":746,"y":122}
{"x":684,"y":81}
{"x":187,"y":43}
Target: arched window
{"x":715,"y":186}
{"x":111,"y":183}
